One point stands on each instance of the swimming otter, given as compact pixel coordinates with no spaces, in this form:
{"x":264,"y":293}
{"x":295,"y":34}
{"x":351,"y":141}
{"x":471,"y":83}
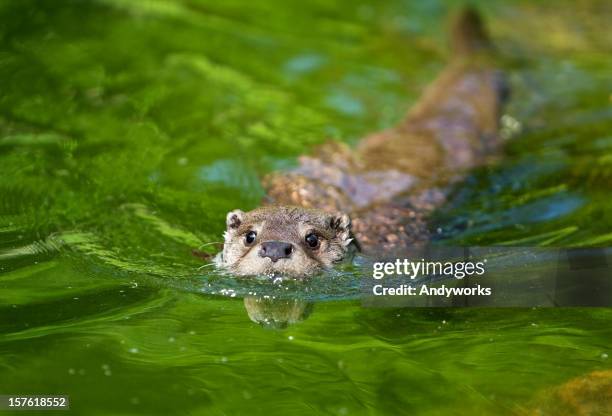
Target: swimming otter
{"x":389,"y":184}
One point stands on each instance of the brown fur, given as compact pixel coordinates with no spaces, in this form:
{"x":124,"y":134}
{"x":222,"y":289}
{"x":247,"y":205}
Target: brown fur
{"x":393,"y":180}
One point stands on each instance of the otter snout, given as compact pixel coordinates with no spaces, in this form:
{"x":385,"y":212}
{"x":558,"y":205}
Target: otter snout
{"x":276,"y":250}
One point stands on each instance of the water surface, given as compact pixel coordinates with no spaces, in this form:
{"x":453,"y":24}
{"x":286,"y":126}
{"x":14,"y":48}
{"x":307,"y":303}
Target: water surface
{"x":129,"y":128}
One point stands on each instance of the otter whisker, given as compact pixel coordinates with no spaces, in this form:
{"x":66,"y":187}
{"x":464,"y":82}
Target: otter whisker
{"x":206,"y":265}
{"x":211,"y":243}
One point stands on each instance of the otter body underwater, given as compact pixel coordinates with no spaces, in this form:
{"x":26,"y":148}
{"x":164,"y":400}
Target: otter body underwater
{"x":388,"y":184}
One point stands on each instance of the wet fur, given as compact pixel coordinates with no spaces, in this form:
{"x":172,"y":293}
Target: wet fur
{"x":392,"y":181}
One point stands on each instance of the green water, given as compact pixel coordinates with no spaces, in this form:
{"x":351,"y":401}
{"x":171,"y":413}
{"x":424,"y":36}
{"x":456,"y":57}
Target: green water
{"x":129,"y":128}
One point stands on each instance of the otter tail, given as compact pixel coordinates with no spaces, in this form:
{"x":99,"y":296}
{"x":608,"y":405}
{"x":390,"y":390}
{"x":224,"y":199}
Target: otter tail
{"x":468,"y":34}
{"x":461,"y":108}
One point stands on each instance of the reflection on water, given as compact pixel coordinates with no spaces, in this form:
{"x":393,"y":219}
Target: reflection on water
{"x":276,"y":313}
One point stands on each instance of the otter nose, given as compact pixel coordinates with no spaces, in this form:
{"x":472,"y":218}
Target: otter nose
{"x":276,"y":250}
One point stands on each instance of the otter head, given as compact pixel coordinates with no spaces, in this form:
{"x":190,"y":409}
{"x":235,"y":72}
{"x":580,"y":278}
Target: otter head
{"x":287,"y":241}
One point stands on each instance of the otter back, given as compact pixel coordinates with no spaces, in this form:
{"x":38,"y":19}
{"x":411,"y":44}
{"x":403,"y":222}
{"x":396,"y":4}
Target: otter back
{"x":393,"y":180}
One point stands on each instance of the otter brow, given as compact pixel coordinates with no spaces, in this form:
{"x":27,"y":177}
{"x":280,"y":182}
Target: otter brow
{"x":321,"y":233}
{"x":245,"y":228}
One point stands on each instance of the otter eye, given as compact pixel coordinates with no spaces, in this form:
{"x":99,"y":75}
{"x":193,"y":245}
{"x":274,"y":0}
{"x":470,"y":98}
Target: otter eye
{"x":312,"y":240}
{"x":250,"y":237}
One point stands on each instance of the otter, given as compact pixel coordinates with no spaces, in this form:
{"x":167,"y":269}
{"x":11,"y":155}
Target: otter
{"x":389,"y":184}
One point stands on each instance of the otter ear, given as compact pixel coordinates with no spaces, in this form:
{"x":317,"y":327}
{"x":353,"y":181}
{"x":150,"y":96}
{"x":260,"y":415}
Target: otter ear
{"x":341,"y":224}
{"x":234,"y":219}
